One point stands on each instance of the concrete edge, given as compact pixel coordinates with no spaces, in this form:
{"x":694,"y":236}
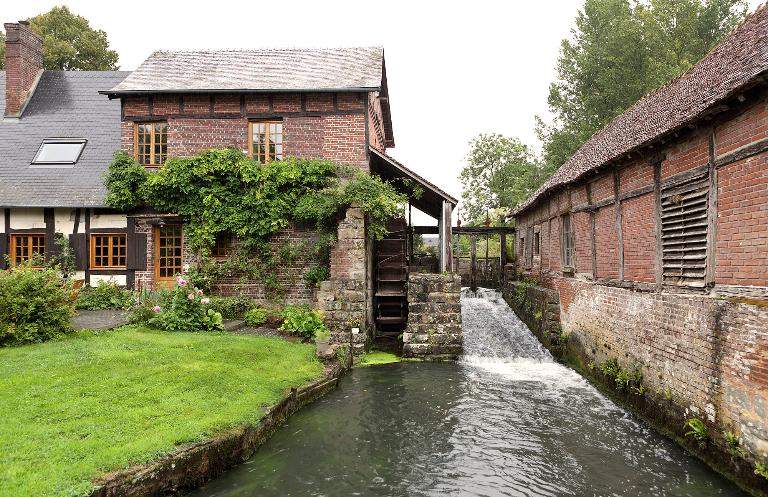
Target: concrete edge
{"x":193,"y":465}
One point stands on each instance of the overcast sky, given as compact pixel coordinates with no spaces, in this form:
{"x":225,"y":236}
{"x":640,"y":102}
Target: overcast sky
{"x":455,"y":69}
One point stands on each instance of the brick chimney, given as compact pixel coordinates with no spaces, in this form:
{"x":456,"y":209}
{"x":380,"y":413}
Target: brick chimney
{"x":23,"y":65}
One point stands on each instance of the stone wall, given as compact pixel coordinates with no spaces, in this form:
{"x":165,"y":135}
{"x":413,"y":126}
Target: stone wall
{"x":344,"y":297}
{"x":700,"y":357}
{"x":434,"y":316}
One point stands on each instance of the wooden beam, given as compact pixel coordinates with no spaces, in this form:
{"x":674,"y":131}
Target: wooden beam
{"x":742,"y":153}
{"x":619,"y":234}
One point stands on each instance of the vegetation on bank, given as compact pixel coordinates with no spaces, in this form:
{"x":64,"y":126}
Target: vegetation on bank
{"x":76,"y":408}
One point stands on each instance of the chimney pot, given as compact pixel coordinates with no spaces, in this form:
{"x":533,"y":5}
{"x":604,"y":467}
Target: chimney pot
{"x":23,"y":65}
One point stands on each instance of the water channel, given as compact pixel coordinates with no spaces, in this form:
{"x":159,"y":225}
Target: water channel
{"x":506,"y":420}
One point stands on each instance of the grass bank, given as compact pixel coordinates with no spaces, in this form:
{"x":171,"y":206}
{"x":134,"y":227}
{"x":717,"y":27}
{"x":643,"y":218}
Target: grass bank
{"x":73,"y":409}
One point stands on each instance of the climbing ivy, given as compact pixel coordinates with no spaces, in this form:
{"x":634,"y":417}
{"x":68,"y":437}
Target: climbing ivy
{"x":222,"y":191}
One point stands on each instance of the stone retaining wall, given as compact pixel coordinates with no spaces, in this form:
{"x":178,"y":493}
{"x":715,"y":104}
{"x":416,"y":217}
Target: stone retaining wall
{"x":434,"y":316}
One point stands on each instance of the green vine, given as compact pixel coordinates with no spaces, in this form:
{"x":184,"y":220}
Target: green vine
{"x":222,"y":191}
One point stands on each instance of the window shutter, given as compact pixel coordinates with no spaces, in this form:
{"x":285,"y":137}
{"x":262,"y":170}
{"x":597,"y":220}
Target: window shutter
{"x":137,"y":252}
{"x":684,"y":232}
{"x":3,"y":250}
{"x":78,"y":242}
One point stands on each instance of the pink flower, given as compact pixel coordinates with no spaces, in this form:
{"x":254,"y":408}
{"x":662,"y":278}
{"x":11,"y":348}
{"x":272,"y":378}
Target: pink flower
{"x":191,"y":296}
{"x":200,"y":292}
{"x":205,"y":301}
{"x":156,"y":308}
{"x":181,"y":281}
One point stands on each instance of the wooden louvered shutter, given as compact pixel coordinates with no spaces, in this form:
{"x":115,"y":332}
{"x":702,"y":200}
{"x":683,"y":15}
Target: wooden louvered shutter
{"x":78,"y":241}
{"x":137,"y":252}
{"x":684,"y":232}
{"x":3,"y":250}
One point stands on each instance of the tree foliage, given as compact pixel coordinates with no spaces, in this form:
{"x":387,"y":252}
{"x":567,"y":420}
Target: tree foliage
{"x":500,"y":172}
{"x":619,"y":51}
{"x":69,"y":43}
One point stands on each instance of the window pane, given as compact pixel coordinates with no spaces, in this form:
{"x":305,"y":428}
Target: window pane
{"x":58,"y":153}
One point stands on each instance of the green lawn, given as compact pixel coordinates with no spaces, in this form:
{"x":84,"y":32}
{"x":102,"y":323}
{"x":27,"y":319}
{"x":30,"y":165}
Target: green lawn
{"x":73,"y":409}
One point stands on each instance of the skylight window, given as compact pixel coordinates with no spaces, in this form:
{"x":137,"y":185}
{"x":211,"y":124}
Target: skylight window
{"x":59,"y":152}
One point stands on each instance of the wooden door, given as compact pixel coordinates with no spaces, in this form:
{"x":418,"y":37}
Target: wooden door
{"x":168,"y":258}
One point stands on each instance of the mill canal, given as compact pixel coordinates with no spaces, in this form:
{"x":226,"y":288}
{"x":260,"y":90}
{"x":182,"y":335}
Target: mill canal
{"x":506,"y":420}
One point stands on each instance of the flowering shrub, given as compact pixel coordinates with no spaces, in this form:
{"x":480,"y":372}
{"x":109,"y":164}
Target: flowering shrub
{"x":187,"y":309}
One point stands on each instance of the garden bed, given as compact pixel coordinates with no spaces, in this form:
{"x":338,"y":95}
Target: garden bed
{"x":74,"y":409}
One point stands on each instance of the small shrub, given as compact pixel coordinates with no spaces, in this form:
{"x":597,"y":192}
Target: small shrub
{"x":35,"y":305}
{"x":697,"y":429}
{"x":622,"y":379}
{"x":761,"y":469}
{"x":232,"y":307}
{"x":300,"y":320}
{"x":591,"y":365}
{"x":146,"y":301}
{"x":256,"y":317}
{"x":610,"y":368}
{"x":107,"y":295}
{"x":187,"y":310}
{"x":734,"y":445}
{"x":323,"y":335}
{"x":317,"y":274}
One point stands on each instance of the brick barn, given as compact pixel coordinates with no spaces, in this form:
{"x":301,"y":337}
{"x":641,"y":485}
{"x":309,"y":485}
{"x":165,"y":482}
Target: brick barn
{"x":653,"y":239}
{"x":60,"y":129}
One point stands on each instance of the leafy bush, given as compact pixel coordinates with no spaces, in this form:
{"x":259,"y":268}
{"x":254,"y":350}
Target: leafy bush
{"x":734,"y":445}
{"x":300,"y":320}
{"x":256,"y":317}
{"x":186,"y":309}
{"x":761,"y":469}
{"x":35,"y":305}
{"x":107,"y":295}
{"x":232,"y":307}
{"x":610,"y":368}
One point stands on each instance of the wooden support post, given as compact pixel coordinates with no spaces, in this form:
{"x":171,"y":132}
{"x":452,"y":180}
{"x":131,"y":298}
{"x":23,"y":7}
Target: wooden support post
{"x":619,"y":234}
{"x":657,"y":211}
{"x":709,"y":275}
{"x":444,"y":234}
{"x":473,"y":261}
{"x":502,"y":258}
{"x":592,"y":233}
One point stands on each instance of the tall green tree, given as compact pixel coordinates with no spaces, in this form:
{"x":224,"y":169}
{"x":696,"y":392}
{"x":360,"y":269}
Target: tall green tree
{"x":501,"y":172}
{"x":619,"y":51}
{"x":69,"y":43}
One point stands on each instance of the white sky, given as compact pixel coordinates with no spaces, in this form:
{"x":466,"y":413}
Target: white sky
{"x":455,"y":69}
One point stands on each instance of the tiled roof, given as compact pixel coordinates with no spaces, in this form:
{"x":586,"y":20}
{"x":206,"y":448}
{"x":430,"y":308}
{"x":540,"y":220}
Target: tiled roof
{"x":257,"y":70}
{"x":732,"y":65}
{"x":64,"y":105}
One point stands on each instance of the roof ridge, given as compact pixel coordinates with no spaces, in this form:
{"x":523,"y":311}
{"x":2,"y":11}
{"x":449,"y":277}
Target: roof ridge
{"x":270,"y":49}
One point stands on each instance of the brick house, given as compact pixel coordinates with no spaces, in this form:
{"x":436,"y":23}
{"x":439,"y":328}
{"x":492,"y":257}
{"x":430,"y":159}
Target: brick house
{"x":653,"y":238}
{"x":60,"y":129}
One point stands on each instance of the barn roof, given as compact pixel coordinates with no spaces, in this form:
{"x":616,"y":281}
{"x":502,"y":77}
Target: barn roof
{"x":735,"y":64}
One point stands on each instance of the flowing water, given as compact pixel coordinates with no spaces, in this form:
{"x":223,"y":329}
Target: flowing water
{"x":506,"y":420}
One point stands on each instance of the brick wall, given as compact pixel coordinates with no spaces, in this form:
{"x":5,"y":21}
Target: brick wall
{"x":639,"y":231}
{"x":742,"y":222}
{"x":315,"y":125}
{"x":699,"y":356}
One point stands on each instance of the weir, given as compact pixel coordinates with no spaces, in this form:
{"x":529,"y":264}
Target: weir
{"x":505,"y":420}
